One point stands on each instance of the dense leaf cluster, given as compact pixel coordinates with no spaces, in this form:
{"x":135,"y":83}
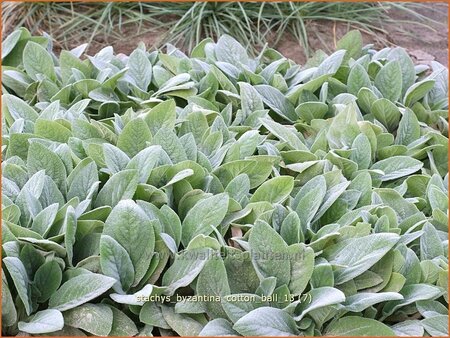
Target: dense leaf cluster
{"x":285,"y":199}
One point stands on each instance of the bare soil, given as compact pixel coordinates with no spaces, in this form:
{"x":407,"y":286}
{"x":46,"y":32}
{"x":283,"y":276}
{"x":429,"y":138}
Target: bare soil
{"x":424,"y":44}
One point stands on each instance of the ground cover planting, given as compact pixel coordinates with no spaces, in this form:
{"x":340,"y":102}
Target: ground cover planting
{"x":253,"y":24}
{"x":215,"y":193}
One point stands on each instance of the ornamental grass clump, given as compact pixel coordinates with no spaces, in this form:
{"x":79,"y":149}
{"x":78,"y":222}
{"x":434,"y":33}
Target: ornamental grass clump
{"x":218,"y":194}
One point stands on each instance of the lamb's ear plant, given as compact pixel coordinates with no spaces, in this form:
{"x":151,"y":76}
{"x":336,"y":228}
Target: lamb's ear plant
{"x":219,"y":194}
